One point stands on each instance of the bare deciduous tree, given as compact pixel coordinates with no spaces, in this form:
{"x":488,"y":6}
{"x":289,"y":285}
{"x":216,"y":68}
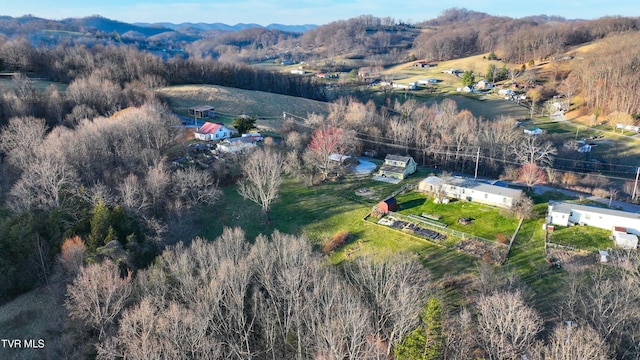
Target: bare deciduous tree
{"x":531,"y":174}
{"x":20,"y":139}
{"x":602,"y":300}
{"x":262,"y":178}
{"x":396,"y":288}
{"x":195,"y":187}
{"x":531,"y":149}
{"x":325,"y":142}
{"x":98,"y":295}
{"x":507,"y":326}
{"x":157,"y":182}
{"x":570,"y":342}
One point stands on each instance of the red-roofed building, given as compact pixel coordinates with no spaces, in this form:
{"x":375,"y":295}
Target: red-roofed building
{"x":212,"y":131}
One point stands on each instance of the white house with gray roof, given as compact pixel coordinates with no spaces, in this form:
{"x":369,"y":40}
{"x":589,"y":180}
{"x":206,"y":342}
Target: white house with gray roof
{"x":565,"y":214}
{"x":470,"y":190}
{"x":625,"y":226}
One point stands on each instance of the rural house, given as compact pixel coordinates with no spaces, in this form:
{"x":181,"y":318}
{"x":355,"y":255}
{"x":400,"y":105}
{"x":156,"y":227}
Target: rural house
{"x":239,"y":144}
{"x":470,"y":190}
{"x":483,"y":85}
{"x":397,"y":167}
{"x":533,"y":131}
{"x":202,"y":111}
{"x":620,"y":223}
{"x":212,"y":131}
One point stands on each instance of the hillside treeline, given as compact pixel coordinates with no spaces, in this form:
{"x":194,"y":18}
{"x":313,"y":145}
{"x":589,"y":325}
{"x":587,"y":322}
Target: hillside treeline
{"x":513,"y":40}
{"x":113,"y":77}
{"x":605,"y":78}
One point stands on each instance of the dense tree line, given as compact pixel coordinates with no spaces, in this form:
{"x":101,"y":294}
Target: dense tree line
{"x":230,"y":299}
{"x":105,"y":79}
{"x":439,"y":134}
{"x":276,"y":298}
{"x":513,"y":40}
{"x":105,"y":179}
{"x":605,"y":77}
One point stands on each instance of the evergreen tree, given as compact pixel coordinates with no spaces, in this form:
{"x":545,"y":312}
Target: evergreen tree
{"x":468,"y":78}
{"x":504,"y":73}
{"x":427,"y":341}
{"x":244,"y":123}
{"x":100,"y":226}
{"x":432,"y":320}
{"x":491,"y":73}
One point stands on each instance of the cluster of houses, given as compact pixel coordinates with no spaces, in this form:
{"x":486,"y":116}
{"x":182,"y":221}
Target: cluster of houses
{"x":624,"y":226}
{"x":480,"y":85}
{"x":211,"y":131}
{"x":218,"y":132}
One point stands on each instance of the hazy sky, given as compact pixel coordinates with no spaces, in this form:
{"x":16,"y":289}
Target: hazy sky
{"x":299,"y":12}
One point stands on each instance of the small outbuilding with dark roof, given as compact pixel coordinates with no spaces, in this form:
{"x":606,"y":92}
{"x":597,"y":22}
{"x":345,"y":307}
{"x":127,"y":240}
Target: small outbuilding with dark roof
{"x":387,"y":205}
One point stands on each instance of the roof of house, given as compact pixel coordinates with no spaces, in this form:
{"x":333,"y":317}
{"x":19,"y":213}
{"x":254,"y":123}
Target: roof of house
{"x":475,"y":185}
{"x":390,"y":200}
{"x":209,"y":128}
{"x":565,"y":208}
{"x":243,"y":139}
{"x":202,"y":108}
{"x":393,"y":169}
{"x":404,"y":159}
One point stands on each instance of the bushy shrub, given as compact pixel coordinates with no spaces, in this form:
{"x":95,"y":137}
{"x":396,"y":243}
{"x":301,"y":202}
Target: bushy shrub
{"x":336,"y":242}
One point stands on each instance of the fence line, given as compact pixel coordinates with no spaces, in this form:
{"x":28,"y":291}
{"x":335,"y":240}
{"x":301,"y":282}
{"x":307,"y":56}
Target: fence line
{"x":566,"y":247}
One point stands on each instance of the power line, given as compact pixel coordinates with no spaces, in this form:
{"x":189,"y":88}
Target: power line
{"x":462,"y":154}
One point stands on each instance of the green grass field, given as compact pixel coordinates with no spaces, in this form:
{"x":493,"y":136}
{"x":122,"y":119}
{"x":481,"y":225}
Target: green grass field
{"x":582,"y":237}
{"x":488,"y":221}
{"x":237,"y":101}
{"x":320,"y":211}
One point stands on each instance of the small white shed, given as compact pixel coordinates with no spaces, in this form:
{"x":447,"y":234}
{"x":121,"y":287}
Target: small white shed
{"x":604,"y":256}
{"x":624,"y":240}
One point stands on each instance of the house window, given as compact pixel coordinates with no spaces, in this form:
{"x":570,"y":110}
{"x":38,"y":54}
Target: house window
{"x":486,"y":196}
{"x":504,"y":199}
{"x":587,"y":216}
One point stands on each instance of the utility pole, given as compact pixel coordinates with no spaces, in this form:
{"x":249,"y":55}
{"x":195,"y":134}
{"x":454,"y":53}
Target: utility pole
{"x":635,"y":185}
{"x":477,"y":161}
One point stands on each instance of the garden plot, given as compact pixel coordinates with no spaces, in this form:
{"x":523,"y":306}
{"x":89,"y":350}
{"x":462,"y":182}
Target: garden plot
{"x":412,"y":228}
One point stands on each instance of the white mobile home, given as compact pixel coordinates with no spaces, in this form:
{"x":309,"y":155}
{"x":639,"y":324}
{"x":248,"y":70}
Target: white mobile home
{"x":565,"y":214}
{"x":470,"y":190}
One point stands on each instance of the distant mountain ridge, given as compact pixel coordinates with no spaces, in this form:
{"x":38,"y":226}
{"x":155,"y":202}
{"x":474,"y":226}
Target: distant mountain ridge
{"x":225,"y":27}
{"x":27,"y":24}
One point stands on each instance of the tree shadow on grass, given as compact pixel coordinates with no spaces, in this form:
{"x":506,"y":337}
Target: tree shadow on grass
{"x":412,"y":203}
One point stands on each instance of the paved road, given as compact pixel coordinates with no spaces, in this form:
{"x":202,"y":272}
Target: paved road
{"x":541,"y":189}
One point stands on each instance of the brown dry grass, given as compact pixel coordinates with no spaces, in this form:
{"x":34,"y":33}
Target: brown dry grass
{"x":237,"y":101}
{"x":37,"y":314}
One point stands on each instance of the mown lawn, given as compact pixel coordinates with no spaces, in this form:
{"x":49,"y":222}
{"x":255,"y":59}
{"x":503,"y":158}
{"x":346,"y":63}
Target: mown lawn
{"x":582,"y":237}
{"x":488,"y":221}
{"x":320,"y":211}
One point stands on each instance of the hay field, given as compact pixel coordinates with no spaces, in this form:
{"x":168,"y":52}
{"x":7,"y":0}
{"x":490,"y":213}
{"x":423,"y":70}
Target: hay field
{"x":237,"y":101}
